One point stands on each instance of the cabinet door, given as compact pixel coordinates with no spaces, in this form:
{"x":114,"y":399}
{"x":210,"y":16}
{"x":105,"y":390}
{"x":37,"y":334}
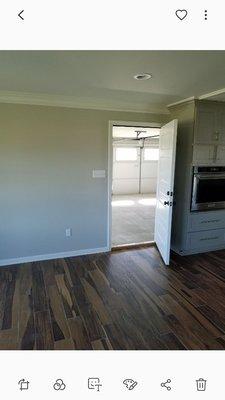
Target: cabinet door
{"x":220,"y":124}
{"x":220,"y":157}
{"x":205,"y":125}
{"x":204,"y":154}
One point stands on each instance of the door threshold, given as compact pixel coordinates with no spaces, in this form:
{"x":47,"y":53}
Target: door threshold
{"x":132,"y":246}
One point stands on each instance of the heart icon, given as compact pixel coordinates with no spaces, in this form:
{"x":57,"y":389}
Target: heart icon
{"x":181,"y":14}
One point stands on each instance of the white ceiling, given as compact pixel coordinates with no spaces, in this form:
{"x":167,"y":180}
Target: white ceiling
{"x":104,"y":79}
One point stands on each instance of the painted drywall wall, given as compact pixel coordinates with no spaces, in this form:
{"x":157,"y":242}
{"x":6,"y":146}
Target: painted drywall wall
{"x":47,"y":155}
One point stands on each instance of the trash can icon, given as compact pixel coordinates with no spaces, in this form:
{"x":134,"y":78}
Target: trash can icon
{"x":201,"y":385}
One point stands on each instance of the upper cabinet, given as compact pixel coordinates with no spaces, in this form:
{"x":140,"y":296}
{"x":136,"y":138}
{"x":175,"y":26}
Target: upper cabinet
{"x":201,"y":132}
{"x":209,"y":125}
{"x":204,"y":154}
{"x":220,"y":124}
{"x":220,"y":155}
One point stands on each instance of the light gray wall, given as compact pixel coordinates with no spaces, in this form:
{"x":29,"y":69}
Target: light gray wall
{"x":47,"y":155}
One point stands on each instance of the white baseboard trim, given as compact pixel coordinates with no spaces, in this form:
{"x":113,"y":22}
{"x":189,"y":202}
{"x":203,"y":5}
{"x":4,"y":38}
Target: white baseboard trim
{"x":45,"y":257}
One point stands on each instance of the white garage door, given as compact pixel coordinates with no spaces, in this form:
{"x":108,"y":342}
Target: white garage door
{"x":135,"y":169}
{"x":126,"y":170}
{"x":149,"y":169}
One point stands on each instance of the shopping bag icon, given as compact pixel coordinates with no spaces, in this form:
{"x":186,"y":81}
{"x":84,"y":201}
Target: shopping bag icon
{"x":201,"y":385}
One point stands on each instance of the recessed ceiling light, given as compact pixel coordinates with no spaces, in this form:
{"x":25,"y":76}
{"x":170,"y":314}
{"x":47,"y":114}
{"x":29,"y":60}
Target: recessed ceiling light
{"x":143,"y":76}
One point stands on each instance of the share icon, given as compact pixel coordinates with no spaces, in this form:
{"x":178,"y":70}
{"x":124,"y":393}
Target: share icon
{"x":166,"y":384}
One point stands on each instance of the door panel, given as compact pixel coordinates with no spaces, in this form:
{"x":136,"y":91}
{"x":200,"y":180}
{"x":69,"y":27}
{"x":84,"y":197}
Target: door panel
{"x":149,"y":176}
{"x":220,"y":128}
{"x":128,"y":170}
{"x":203,"y":154}
{"x":148,"y":185}
{"x":205,"y":129}
{"x":126,"y":175}
{"x":125,"y":186}
{"x":165,"y":185}
{"x":220,"y":155}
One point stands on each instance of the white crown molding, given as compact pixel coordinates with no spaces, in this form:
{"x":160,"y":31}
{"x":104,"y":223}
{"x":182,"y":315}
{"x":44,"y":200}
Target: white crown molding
{"x":212,"y":94}
{"x":44,"y":99}
{"x":45,"y":257}
{"x":181,"y":101}
{"x":202,"y":97}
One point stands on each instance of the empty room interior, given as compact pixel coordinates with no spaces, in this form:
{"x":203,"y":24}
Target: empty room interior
{"x":112,"y":199}
{"x":134,"y":179}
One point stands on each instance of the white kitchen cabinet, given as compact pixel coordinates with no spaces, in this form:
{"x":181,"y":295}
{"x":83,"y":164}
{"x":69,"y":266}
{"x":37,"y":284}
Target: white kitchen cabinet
{"x":198,"y":242}
{"x":220,"y":124}
{"x":209,"y":123}
{"x":204,"y":154}
{"x":201,"y":142}
{"x":220,"y":155}
{"x":206,"y":221}
{"x":205,"y":125}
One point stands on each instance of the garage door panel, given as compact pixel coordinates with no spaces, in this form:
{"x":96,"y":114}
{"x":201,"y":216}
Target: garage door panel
{"x":148,"y":185}
{"x":125,"y":186}
{"x":126,"y":170}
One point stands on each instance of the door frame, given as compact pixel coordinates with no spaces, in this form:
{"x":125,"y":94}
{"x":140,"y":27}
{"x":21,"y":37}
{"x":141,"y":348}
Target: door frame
{"x":110,"y":167}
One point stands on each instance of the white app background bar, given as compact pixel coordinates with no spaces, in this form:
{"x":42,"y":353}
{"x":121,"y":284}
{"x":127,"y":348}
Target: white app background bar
{"x":130,"y":25}
{"x":114,"y":24}
{"x":148,"y":368}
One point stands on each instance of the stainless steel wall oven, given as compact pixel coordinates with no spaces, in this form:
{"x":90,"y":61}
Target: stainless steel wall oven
{"x":208,"y":188}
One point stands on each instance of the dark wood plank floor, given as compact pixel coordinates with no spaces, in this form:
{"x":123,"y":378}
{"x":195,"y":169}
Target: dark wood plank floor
{"x":122,"y":300}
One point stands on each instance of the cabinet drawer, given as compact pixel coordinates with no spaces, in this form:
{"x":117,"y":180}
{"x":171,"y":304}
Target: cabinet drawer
{"x":206,"y":221}
{"x":206,"y":240}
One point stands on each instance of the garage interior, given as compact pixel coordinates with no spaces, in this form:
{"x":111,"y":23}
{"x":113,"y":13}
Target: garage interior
{"x":135,"y":163}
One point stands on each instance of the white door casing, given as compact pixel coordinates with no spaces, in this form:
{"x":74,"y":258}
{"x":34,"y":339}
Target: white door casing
{"x":165,"y":188}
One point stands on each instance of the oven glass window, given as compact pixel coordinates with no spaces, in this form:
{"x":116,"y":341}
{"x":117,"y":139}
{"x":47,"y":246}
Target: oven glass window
{"x":210,"y":191}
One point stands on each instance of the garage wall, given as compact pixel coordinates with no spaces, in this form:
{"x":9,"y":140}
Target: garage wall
{"x":47,"y":155}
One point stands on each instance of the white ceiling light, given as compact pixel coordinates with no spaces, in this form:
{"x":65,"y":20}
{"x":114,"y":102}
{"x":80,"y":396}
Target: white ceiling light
{"x":142,"y":76}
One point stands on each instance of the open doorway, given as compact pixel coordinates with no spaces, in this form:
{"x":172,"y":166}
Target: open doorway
{"x":135,"y":153}
{"x":162,"y":199}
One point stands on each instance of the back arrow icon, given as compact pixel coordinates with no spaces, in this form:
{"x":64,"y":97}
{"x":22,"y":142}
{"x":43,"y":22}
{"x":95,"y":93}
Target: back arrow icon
{"x":20,"y":15}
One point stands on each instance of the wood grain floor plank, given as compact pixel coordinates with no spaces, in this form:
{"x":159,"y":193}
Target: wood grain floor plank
{"x":39,"y":292}
{"x":43,"y":331}
{"x":79,"y":334}
{"x":124,"y":300}
{"x":26,"y":328}
{"x":58,"y":317}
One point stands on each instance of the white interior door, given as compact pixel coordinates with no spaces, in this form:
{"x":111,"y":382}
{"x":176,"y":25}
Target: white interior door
{"x":165,"y":187}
